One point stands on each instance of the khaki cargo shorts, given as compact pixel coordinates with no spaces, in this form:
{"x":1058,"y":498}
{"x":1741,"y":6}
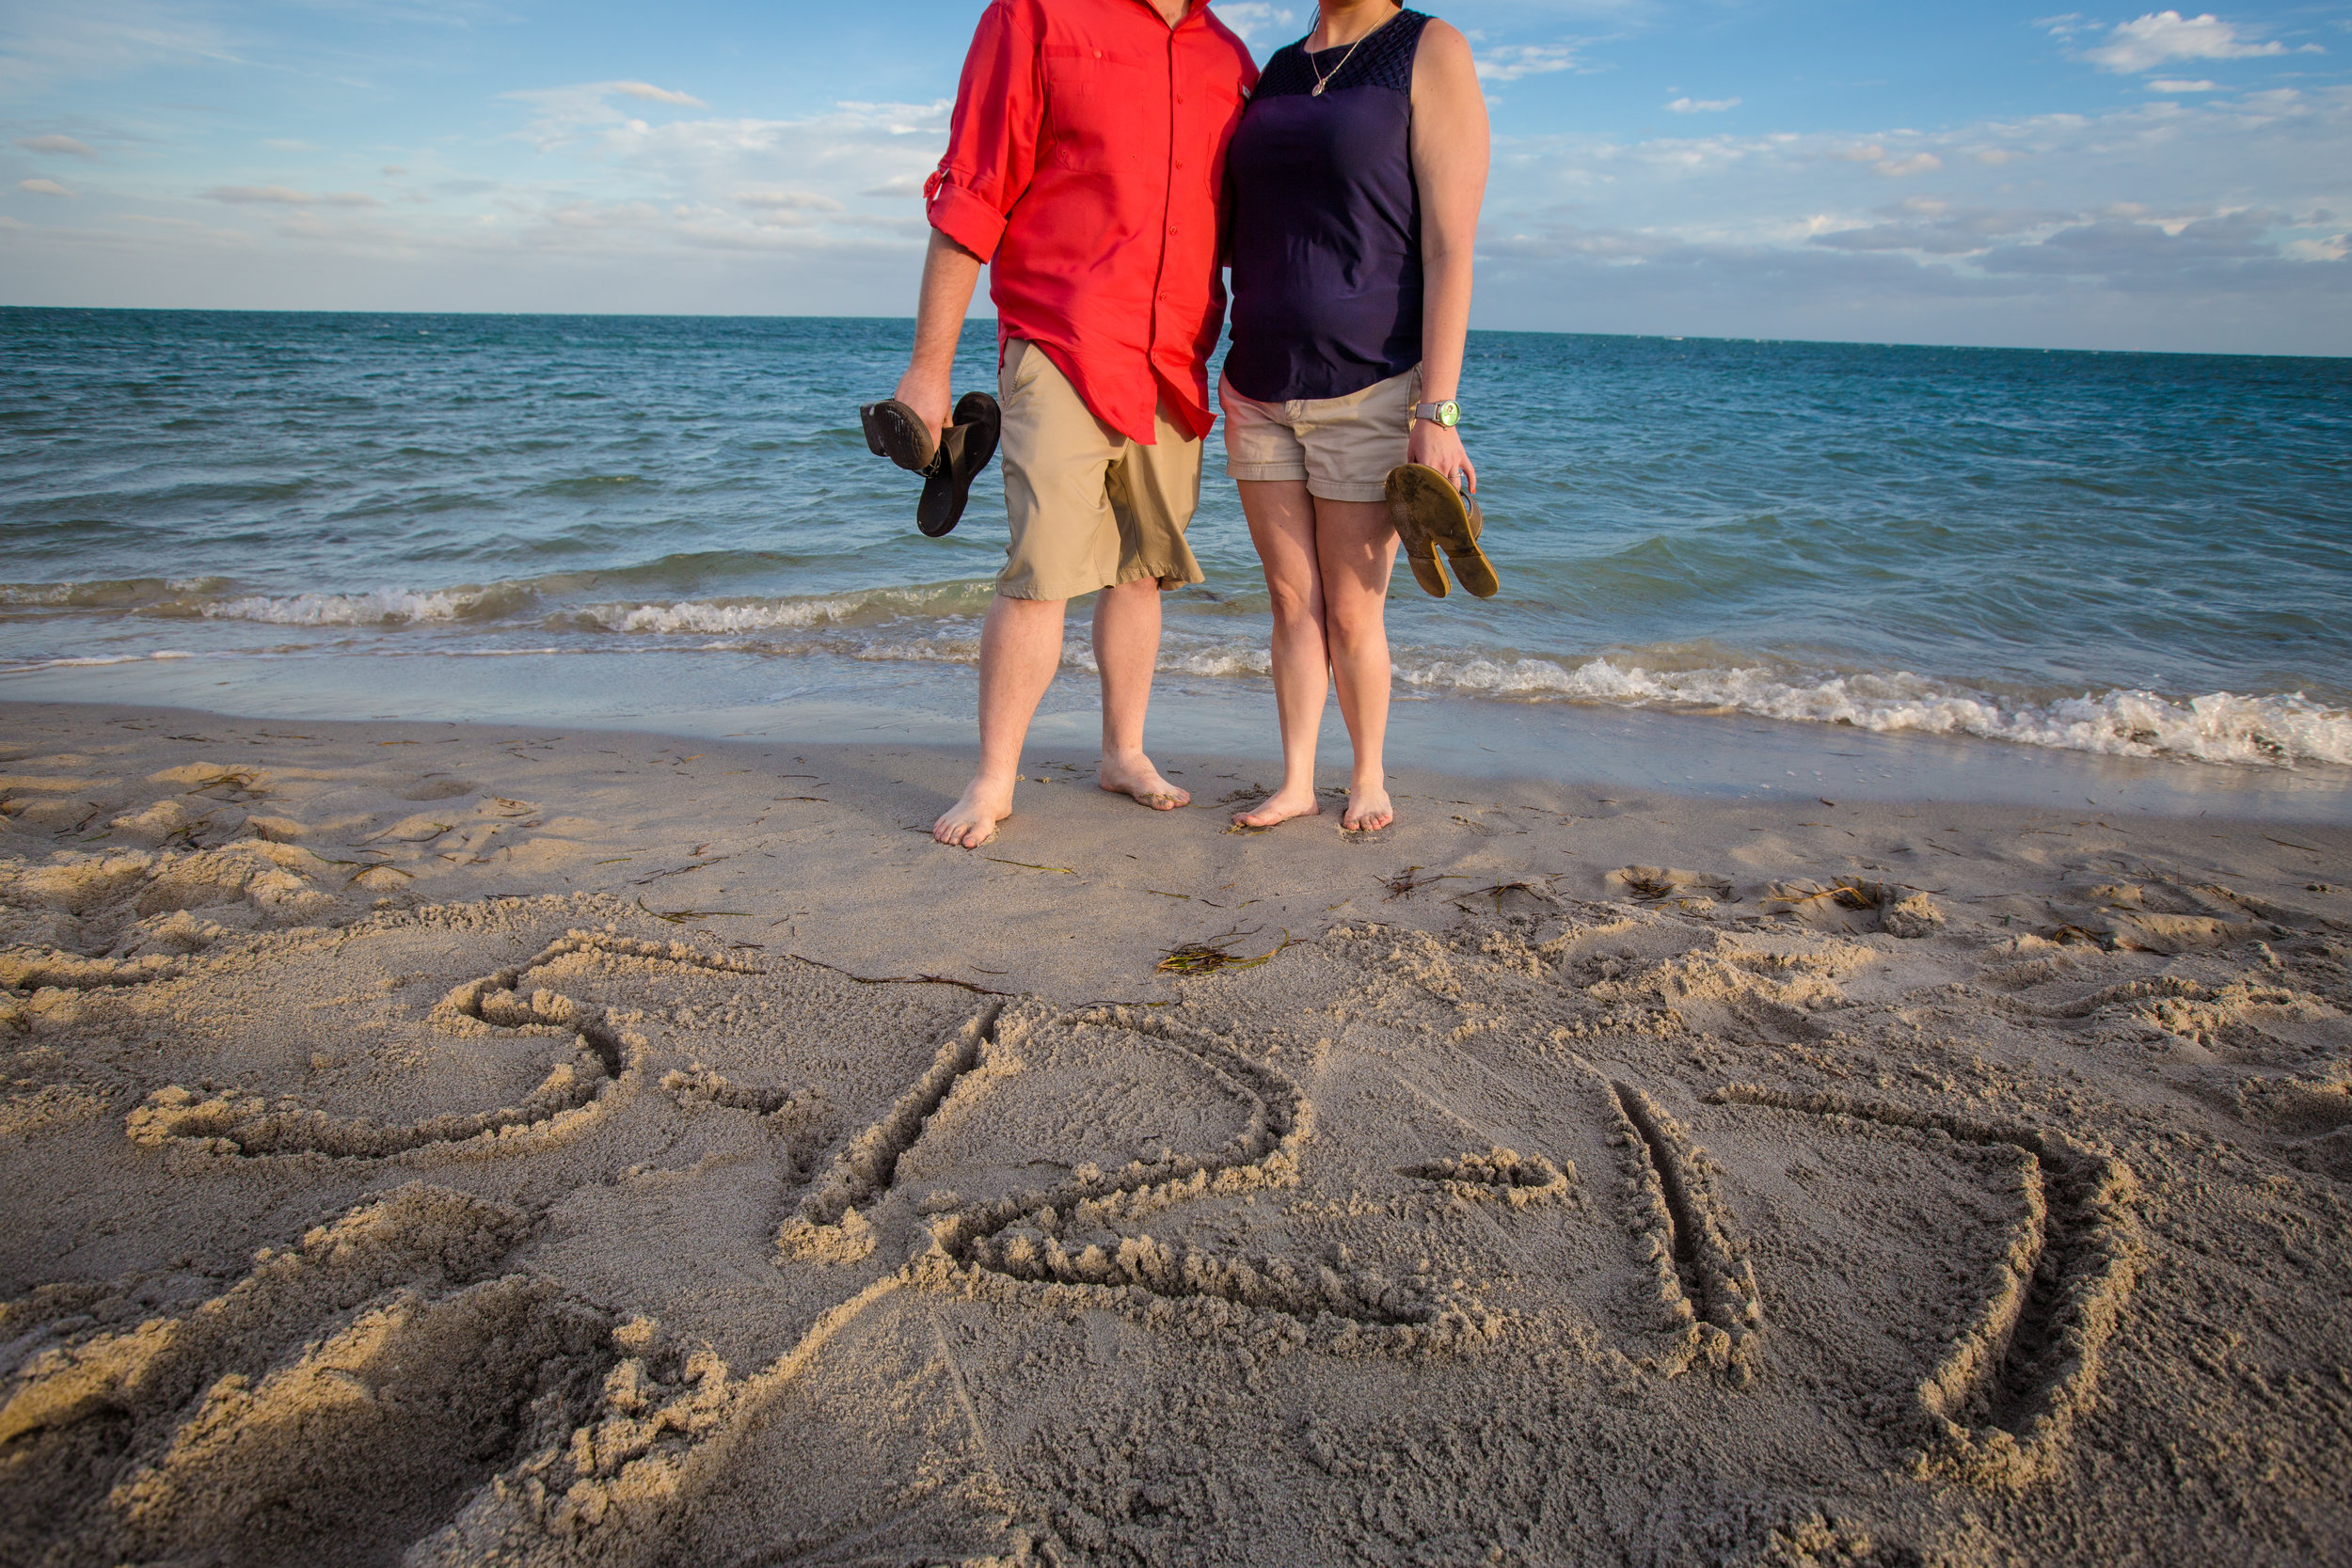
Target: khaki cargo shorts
{"x":1089,"y":508}
{"x":1341,"y":447}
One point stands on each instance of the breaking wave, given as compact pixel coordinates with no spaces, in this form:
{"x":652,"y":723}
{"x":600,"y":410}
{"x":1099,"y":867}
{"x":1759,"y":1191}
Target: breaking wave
{"x":2220,"y":726}
{"x":938,"y":623}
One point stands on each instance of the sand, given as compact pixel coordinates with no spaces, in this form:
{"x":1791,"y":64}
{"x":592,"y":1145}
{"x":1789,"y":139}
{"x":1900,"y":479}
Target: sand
{"x":441,"y":1145}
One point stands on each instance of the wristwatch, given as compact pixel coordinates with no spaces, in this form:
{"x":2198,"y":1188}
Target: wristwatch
{"x":1447,"y":414}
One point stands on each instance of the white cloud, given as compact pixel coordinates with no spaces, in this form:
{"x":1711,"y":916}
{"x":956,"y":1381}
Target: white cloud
{"x":1918,"y":163}
{"x":394,"y":171}
{"x":1702,"y":105}
{"x":2174,"y":84}
{"x":2162,"y":36}
{"x":652,"y":94}
{"x":566,"y":113}
{"x":280,"y":196}
{"x":1253,"y":19}
{"x":96,"y":38}
{"x":283,"y":143}
{"x":2214,"y":225}
{"x":42,"y":187}
{"x":783,"y":202}
{"x":1514,"y":61}
{"x":1895,"y":166}
{"x":65,"y":145}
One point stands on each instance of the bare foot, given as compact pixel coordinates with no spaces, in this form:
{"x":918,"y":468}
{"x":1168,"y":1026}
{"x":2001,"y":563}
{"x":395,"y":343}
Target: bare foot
{"x":1368,"y":810}
{"x":972,"y":820}
{"x":1136,"y":776}
{"x":1281,"y":806}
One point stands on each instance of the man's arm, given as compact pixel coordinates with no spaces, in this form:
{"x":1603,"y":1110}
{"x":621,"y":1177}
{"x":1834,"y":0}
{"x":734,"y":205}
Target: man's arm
{"x":991,"y":157}
{"x":950,"y":273}
{"x":1450,"y":158}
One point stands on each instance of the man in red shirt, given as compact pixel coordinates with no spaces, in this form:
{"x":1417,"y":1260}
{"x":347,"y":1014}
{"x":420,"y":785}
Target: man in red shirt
{"x":1084,"y":164}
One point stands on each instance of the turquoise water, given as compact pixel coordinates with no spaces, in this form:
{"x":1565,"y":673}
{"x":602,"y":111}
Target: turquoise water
{"x":2132,"y":554}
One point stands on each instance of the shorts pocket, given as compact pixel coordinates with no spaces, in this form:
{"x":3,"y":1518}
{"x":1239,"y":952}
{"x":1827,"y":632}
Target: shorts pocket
{"x":1024,"y":363}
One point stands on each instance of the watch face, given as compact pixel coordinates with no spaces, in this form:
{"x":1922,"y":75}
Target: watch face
{"x":1449,"y":414}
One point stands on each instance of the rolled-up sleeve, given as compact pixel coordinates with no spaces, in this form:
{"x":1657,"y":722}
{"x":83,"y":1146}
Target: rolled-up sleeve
{"x":992,"y":139}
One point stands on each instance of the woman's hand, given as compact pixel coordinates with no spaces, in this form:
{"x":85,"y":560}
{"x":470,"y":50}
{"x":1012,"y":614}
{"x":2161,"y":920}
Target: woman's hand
{"x":1440,"y":448}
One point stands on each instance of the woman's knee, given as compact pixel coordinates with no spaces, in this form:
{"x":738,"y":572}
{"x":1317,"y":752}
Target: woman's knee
{"x":1294,"y":603}
{"x":1353,"y":621}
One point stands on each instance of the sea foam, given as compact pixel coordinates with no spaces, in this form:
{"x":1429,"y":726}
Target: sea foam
{"x":382,"y":607}
{"x":2218,"y":727}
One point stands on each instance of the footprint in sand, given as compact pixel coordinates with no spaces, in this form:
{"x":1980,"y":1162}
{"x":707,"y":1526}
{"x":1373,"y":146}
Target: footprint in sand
{"x":388,"y":1344}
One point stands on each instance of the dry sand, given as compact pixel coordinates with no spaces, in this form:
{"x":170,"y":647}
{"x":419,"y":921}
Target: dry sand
{"x":478,"y":1145}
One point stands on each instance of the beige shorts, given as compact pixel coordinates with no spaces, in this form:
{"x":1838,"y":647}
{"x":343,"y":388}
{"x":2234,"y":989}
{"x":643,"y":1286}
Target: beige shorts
{"x":1341,"y":447}
{"x":1090,"y":508}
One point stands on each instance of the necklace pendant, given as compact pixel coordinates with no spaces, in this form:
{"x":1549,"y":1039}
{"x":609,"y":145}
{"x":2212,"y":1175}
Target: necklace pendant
{"x":1318,"y":92}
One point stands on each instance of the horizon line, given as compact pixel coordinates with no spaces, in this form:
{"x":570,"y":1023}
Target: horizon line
{"x":976,"y":319}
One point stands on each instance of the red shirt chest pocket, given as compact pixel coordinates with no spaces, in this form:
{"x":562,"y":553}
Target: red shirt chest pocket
{"x":1099,"y":108}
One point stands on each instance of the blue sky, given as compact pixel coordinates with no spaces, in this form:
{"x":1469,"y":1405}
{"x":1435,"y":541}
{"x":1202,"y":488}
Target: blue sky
{"x":1962,"y":174}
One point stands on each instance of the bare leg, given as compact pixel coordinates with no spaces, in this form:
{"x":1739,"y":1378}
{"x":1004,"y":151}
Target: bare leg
{"x":1127,"y":650}
{"x":1355,"y":545}
{"x":1283,"y":524}
{"x":1020,"y":650}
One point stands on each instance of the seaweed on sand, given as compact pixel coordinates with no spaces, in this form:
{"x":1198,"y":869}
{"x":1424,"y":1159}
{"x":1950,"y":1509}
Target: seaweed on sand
{"x":1216,"y":954}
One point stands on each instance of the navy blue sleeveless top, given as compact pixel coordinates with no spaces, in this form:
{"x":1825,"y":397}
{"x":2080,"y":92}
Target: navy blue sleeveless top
{"x":1327,"y":221}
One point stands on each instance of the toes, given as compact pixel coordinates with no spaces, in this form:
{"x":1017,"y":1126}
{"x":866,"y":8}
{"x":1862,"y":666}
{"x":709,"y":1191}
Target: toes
{"x":963,"y":835}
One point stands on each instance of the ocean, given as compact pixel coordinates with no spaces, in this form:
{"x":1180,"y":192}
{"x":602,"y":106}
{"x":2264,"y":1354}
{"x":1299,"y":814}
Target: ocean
{"x":2136,"y":554}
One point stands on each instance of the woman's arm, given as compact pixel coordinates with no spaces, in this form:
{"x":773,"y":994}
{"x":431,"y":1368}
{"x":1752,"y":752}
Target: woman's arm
{"x":1450,"y":155}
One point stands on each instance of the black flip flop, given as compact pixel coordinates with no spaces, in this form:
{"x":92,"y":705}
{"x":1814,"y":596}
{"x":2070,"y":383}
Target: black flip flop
{"x":899,"y":433}
{"x":971,"y":442}
{"x":948,"y":467}
{"x":1431,"y":517}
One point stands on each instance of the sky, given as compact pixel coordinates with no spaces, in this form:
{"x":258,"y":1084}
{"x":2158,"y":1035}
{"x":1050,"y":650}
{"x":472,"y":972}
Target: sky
{"x":1756,"y":168}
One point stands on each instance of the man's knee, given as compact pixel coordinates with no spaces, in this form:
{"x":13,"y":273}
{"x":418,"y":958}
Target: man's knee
{"x":1015,"y":604}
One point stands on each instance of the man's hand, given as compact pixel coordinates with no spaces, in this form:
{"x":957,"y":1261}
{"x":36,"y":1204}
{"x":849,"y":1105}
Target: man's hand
{"x":931,"y":393}
{"x":1439,"y":448}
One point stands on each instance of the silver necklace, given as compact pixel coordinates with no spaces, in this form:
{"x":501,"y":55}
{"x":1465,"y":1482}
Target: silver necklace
{"x":1322,"y":79}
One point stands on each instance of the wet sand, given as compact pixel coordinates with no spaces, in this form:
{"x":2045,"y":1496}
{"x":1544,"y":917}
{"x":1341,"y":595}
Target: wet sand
{"x":482,"y":1144}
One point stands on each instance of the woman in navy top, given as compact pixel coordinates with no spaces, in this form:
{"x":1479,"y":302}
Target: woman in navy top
{"x":1354,"y":184}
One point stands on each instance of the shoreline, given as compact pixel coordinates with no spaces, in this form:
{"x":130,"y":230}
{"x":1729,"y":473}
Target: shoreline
{"x":716,"y":694}
{"x":467,"y":1143}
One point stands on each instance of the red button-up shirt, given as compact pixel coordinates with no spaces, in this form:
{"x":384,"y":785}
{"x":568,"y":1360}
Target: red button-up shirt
{"x":1086,"y":165}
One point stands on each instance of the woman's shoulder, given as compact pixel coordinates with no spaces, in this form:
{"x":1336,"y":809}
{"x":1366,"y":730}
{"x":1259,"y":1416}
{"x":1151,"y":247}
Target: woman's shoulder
{"x":1442,"y":47}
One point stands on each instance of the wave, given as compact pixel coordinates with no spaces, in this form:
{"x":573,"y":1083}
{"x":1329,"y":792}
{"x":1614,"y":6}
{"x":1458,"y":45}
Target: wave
{"x":938,"y":624}
{"x":711,"y":617}
{"x":122,"y":595}
{"x":382,"y":607}
{"x":2220,"y":726}
{"x":218,"y":599}
{"x":90,"y":662}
